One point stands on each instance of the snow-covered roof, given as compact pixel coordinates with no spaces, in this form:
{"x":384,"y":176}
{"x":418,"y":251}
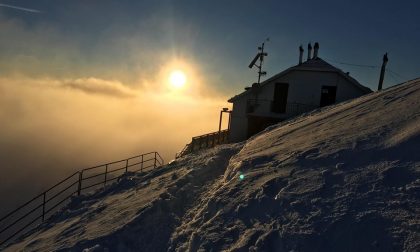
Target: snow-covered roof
{"x":316,"y":65}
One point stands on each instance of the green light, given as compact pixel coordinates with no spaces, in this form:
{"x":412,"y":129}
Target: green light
{"x":241,"y":177}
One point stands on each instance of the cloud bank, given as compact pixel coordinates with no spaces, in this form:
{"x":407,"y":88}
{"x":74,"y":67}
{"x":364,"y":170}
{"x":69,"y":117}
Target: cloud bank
{"x":52,"y":127}
{"x":70,"y":101}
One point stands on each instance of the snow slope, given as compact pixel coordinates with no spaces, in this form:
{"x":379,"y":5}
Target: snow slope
{"x":343,"y":178}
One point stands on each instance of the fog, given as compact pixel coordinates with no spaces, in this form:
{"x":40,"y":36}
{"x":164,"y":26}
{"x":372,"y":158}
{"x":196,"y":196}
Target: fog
{"x":53,"y":127}
{"x":71,"y":98}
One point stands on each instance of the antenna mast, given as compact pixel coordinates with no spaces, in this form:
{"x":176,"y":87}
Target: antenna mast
{"x":260,"y":56}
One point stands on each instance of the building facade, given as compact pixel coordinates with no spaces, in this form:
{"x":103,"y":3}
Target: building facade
{"x":298,"y":89}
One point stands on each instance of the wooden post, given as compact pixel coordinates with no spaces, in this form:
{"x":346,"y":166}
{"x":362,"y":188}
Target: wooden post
{"x":43,"y":206}
{"x":154,"y":164}
{"x":141,"y":163}
{"x":230,"y":117}
{"x":220,"y":121}
{"x":79,"y":186}
{"x":228,"y":133}
{"x":381,"y":77}
{"x":126,"y":165}
{"x":106,"y":173}
{"x":300,"y":54}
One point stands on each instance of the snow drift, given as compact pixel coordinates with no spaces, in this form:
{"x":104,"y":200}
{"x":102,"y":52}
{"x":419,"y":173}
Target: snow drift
{"x":345,"y":177}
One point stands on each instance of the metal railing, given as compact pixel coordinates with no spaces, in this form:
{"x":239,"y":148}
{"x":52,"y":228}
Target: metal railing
{"x":183,"y":152}
{"x":204,"y":142}
{"x":269,"y":106}
{"x":43,"y":206}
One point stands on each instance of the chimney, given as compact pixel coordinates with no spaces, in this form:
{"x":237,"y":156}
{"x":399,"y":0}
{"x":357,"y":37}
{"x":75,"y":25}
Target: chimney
{"x":381,"y":77}
{"x":316,"y":48}
{"x":309,"y":51}
{"x":300,"y":54}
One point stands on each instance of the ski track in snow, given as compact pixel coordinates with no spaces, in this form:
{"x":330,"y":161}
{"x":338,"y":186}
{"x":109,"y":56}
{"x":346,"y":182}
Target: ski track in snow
{"x":341,"y":178}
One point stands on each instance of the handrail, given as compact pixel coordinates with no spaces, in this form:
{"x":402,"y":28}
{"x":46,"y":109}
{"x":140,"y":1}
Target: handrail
{"x":205,"y":141}
{"x":21,"y":219}
{"x":183,"y":151}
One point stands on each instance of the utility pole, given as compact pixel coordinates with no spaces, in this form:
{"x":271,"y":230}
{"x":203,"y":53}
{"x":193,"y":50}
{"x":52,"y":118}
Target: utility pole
{"x":381,"y":77}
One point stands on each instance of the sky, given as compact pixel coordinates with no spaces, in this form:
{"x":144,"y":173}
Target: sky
{"x":84,"y":82}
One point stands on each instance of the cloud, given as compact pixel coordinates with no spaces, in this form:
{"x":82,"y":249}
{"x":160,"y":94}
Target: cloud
{"x":133,"y":54}
{"x":20,"y":8}
{"x":99,"y":86}
{"x":52,"y":127}
{"x":68,"y":103}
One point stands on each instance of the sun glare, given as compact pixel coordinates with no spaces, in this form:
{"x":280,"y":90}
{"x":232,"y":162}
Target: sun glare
{"x":177,"y":79}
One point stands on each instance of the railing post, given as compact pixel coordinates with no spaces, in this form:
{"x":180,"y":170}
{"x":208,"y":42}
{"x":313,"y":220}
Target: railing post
{"x":106,"y":173}
{"x":230,"y":118}
{"x":220,"y":121}
{"x":79,"y":186}
{"x":154,"y":164}
{"x":141,"y":163}
{"x":126,"y":165}
{"x":43,"y":206}
{"x":220,"y":125}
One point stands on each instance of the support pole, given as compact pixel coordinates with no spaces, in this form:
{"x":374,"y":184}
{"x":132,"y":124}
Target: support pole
{"x":220,"y":125}
{"x":43,"y":206}
{"x":230,"y":117}
{"x":106,"y":173}
{"x":79,"y":186}
{"x":381,"y":77}
{"x":154,"y":164}
{"x":220,"y":121}
{"x":141,"y":164}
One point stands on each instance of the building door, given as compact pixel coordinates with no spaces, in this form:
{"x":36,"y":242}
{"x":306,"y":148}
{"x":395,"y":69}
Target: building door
{"x":328,"y":94}
{"x":280,"y":97}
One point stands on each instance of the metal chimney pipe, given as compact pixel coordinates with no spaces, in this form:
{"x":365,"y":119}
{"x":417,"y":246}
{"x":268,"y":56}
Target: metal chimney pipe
{"x":300,"y":54}
{"x":316,"y":48}
{"x":309,"y":51}
{"x":381,"y":77}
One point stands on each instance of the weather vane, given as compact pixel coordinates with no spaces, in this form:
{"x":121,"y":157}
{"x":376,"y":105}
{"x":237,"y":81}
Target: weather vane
{"x":260,"y":56}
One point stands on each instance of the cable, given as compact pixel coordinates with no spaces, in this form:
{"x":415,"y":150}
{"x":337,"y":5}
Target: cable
{"x":351,"y":64}
{"x":397,"y":74}
{"x":393,"y":77}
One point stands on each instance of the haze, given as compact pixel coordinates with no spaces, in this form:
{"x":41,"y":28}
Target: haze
{"x":85,"y":82}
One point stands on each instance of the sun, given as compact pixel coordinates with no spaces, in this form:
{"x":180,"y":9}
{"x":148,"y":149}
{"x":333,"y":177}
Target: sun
{"x":177,"y":79}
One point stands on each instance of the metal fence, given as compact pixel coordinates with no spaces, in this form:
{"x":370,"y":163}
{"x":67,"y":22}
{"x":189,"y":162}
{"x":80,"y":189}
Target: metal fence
{"x":44,"y":205}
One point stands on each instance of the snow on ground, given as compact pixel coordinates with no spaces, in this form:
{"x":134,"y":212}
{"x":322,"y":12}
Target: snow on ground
{"x":344,"y":178}
{"x":137,"y":214}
